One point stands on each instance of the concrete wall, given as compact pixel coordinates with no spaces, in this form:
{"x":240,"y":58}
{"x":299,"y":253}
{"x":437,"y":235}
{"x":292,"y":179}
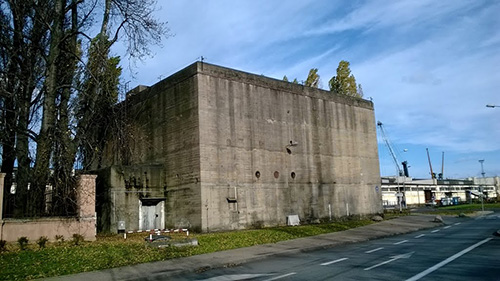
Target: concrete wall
{"x":84,"y":224}
{"x":255,"y":125}
{"x":212,"y":129}
{"x":162,"y":130}
{"x":121,"y":191}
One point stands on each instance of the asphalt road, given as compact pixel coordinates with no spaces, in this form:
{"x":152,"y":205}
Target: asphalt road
{"x":461,"y":250}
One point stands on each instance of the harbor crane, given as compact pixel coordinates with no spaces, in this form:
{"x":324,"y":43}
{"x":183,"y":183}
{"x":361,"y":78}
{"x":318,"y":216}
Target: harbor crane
{"x":401,"y":172}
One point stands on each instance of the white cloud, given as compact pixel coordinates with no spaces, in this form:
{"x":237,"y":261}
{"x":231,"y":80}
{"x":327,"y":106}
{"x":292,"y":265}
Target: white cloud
{"x":430,"y":66}
{"x":373,"y":15}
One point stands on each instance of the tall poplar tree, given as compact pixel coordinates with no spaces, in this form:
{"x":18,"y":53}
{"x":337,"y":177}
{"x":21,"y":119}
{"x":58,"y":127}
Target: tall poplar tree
{"x":313,"y":78}
{"x":344,"y":82}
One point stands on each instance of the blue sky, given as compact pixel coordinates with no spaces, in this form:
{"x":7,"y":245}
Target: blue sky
{"x":429,"y":66}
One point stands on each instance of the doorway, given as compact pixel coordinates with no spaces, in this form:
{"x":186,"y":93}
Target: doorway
{"x":428,"y":196}
{"x":152,"y":213}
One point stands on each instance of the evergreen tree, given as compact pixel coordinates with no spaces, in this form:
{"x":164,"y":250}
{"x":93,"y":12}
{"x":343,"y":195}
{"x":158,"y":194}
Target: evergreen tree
{"x":95,"y":101}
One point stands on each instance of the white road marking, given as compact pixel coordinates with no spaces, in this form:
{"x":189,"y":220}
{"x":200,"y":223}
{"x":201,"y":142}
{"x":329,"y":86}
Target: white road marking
{"x":282,"y":276}
{"x":335,"y":261}
{"x":393,"y":258}
{"x":434,"y":231}
{"x":421,"y":235}
{"x":235,"y":277}
{"x":446,"y":227}
{"x":374,"y":250}
{"x":448,"y":260}
{"x":458,"y":223}
{"x":400,"y":242}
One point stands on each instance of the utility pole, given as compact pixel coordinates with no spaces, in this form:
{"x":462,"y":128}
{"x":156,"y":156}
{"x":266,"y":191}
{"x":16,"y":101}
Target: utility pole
{"x":482,"y":193}
{"x":442,"y":167}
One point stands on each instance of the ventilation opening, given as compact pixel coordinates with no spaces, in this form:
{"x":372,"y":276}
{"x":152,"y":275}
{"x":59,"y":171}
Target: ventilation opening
{"x":293,"y":175}
{"x":276,"y":174}
{"x":288,"y":150}
{"x":257,"y":174}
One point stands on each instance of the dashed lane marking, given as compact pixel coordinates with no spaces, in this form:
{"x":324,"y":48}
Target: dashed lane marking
{"x":374,"y":250}
{"x":457,"y":223}
{"x":282,"y":276}
{"x":446,"y":227}
{"x":393,"y":258}
{"x":434,"y":231}
{"x":421,"y":235}
{"x":235,"y":277}
{"x":335,"y":261}
{"x":400,"y":242}
{"x":448,"y":260}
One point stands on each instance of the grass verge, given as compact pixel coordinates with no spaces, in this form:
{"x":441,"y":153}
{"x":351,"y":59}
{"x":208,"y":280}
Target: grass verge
{"x":112,"y":251}
{"x":466,"y":209}
{"x":473,"y":207}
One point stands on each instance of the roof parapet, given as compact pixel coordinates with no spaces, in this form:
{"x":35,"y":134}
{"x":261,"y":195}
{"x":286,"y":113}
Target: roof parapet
{"x":136,"y":90}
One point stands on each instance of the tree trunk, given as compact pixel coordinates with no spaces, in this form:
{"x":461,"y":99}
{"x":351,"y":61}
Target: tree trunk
{"x":9,"y":152}
{"x":45,"y":144}
{"x":64,"y":146}
{"x":14,"y":100}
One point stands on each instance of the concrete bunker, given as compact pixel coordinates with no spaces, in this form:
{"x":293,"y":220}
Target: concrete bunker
{"x":218,"y":149}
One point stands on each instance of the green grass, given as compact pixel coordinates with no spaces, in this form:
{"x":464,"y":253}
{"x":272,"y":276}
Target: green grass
{"x":472,"y":207}
{"x":395,"y":213}
{"x":113,"y":251}
{"x":466,"y":209}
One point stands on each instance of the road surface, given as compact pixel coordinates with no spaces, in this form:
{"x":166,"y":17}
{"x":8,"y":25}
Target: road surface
{"x":464,"y":249}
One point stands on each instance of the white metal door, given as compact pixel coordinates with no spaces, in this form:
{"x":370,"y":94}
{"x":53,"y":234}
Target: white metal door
{"x":149,"y":217}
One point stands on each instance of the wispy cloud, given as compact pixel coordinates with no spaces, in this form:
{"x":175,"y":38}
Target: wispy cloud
{"x":430,"y":66}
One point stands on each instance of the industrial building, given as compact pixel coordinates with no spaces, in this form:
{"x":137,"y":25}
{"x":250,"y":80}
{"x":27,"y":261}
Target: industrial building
{"x":409,"y":191}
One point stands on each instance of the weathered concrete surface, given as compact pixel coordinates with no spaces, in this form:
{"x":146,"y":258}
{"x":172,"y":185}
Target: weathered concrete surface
{"x":239,"y":150}
{"x":315,"y":151}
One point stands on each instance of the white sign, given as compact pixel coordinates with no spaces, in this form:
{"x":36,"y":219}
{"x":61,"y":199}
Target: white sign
{"x":293,"y":220}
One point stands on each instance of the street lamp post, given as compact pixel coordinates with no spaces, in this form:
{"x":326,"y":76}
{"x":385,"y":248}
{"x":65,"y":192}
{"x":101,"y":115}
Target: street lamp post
{"x":482,"y":168}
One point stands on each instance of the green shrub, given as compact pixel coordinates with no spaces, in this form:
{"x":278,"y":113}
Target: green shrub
{"x":23,"y":242}
{"x":59,"y":239}
{"x":42,"y":241}
{"x":77,"y":239}
{"x":3,"y":245}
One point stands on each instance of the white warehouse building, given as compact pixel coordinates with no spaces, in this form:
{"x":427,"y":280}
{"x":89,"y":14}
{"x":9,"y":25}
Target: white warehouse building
{"x":434,"y":191}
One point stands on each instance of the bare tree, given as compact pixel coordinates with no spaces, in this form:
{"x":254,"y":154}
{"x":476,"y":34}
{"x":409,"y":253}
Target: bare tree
{"x":99,"y":93}
{"x":23,"y":42}
{"x":41,"y":56}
